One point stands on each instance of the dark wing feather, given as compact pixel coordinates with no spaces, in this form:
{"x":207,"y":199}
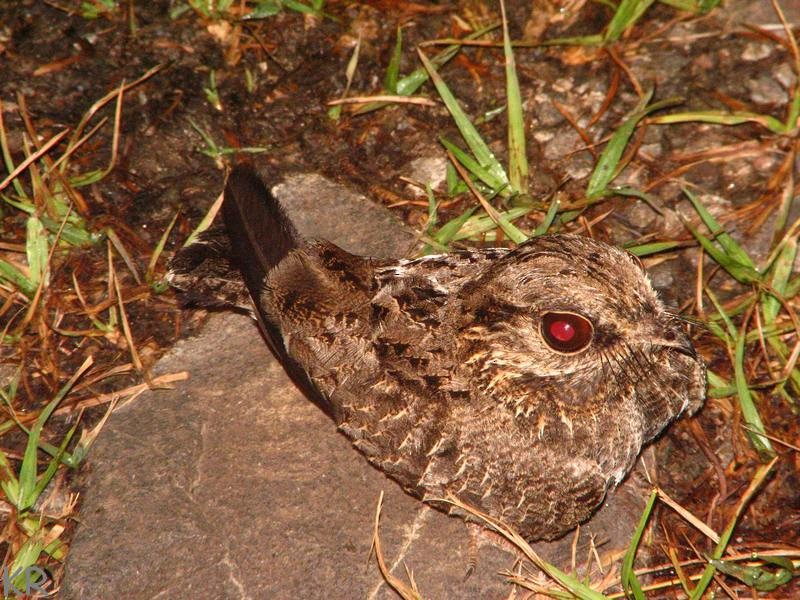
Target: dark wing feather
{"x":260,"y":232}
{"x":261,"y":237}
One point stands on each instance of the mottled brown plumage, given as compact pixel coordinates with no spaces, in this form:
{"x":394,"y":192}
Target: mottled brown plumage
{"x":524,"y":381}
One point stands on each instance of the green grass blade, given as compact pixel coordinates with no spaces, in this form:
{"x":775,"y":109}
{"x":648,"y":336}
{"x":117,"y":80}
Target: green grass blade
{"x":151,"y":266}
{"x":480,"y":224}
{"x":794,"y":112}
{"x":408,"y":85}
{"x":741,"y":273}
{"x":718,"y":387}
{"x":511,"y":230}
{"x":300,"y":7}
{"x":455,"y":185}
{"x":517,"y":154}
{"x":793,"y":287}
{"x":702,"y":7}
{"x":627,"y":13}
{"x":7,"y":158}
{"x":87,"y":178}
{"x":474,"y":167}
{"x":749,"y":411}
{"x":759,"y":578}
{"x":211,"y":91}
{"x":10,"y":393}
{"x":608,"y":166}
{"x":23,"y":205}
{"x":725,"y":317}
{"x":720,"y":334}
{"x":393,"y":70}
{"x":490,"y":114}
{"x":452,"y":228}
{"x":7,"y":398}
{"x":652,"y":248}
{"x":26,"y":557}
{"x":9,"y":482}
{"x":56,"y":460}
{"x":648,"y":199}
{"x":708,"y":573}
{"x":413,"y":81}
{"x":484,"y":156}
{"x":264,"y":9}
{"x":732,"y":249}
{"x":74,"y":235}
{"x":577,"y":588}
{"x":706,"y":5}
{"x":27,"y":470}
{"x":630,"y":583}
{"x":209,"y":141}
{"x":583,"y":40}
{"x":66,"y":458}
{"x":549,"y":218}
{"x":36,"y":249}
{"x":14,"y":276}
{"x":779,"y":279}
{"x":718,"y":117}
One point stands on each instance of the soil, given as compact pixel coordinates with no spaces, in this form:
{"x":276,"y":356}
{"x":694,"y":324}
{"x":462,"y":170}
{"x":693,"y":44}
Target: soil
{"x":273,"y":77}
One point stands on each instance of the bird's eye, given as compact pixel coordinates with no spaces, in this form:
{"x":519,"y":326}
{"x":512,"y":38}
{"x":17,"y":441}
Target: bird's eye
{"x":566,"y":332}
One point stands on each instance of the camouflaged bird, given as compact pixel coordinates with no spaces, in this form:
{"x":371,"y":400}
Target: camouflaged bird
{"x":524,"y":382}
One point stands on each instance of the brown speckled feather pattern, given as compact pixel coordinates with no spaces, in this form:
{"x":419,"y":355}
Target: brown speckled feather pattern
{"x":438,"y":371}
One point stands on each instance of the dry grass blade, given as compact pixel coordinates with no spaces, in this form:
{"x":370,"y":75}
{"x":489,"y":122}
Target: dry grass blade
{"x":758,"y":479}
{"x":206,"y":221}
{"x":126,"y":328}
{"x":421,"y":100}
{"x":568,"y":582}
{"x":34,"y":304}
{"x":335,"y":112}
{"x":151,"y":266}
{"x":406,"y":592}
{"x":672,"y":553}
{"x":33,"y":157}
{"x":128,"y":394}
{"x":123,"y":252}
{"x":106,"y":99}
{"x":688,"y":516}
{"x":64,"y":158}
{"x":777,"y":440}
{"x":115,"y":135}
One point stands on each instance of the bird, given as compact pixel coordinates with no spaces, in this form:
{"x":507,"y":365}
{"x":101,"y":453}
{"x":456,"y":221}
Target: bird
{"x":523,"y":382}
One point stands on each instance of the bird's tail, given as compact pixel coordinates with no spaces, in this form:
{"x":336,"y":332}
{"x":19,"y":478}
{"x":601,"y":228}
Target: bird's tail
{"x":225,"y":266}
{"x":261,"y":236}
{"x":230,"y":267}
{"x":260,"y":233}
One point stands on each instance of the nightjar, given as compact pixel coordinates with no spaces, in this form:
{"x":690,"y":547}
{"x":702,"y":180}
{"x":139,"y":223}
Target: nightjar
{"x":524,"y":382}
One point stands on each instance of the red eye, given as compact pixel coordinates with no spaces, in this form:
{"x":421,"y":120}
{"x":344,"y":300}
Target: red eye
{"x":566,"y":332}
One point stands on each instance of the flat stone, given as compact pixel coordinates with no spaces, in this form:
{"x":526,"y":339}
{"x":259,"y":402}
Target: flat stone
{"x":233,"y":485}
